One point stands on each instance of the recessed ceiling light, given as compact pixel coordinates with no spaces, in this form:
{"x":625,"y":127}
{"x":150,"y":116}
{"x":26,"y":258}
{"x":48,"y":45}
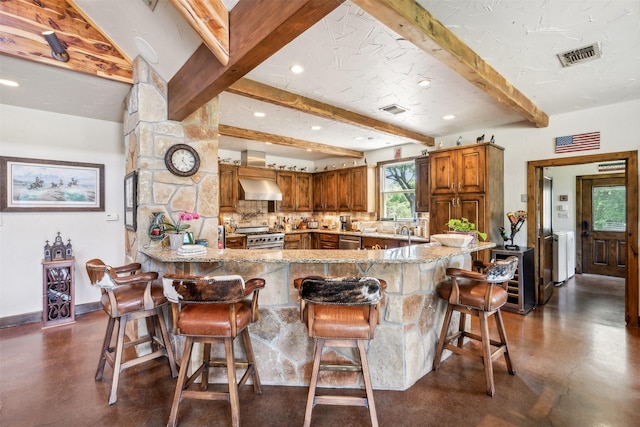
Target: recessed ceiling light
{"x":259,"y":114}
{"x":316,"y":127}
{"x":297,"y":69}
{"x":9,"y":83}
{"x":309,"y":149}
{"x":359,"y":138}
{"x":424,"y":82}
{"x":448,"y":117}
{"x":269,"y":143}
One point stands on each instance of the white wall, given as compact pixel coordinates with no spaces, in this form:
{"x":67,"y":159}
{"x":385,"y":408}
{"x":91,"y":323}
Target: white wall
{"x":42,"y":135}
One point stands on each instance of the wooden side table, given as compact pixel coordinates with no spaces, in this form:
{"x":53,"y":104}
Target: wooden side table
{"x":58,"y":283}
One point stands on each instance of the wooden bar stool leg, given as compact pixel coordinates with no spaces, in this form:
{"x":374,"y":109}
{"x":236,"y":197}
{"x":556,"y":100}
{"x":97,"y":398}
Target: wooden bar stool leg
{"x":105,"y":348}
{"x":503,"y":340}
{"x":206,"y":357}
{"x":233,"y":383}
{"x":251,"y":358}
{"x":486,"y":352}
{"x":113,"y":397}
{"x":367,"y":384}
{"x":182,"y":379}
{"x":167,"y":343}
{"x":443,"y":337}
{"x":462,"y":328}
{"x":314,"y":382}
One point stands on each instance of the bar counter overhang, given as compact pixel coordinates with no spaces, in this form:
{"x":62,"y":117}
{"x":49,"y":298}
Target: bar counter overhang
{"x":404,"y":345}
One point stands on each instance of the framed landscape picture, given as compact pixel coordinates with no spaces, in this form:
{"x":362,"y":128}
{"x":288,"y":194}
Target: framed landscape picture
{"x":34,"y":185}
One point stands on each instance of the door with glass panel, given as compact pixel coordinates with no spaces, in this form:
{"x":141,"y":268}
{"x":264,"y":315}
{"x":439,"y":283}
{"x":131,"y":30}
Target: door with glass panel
{"x":602,"y":224}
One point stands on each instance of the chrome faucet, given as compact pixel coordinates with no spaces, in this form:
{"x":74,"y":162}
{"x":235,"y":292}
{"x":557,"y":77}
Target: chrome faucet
{"x":408,"y":233}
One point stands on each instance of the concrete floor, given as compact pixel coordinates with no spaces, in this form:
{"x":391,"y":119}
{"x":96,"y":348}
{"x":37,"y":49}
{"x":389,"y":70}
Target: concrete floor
{"x":576,"y":365}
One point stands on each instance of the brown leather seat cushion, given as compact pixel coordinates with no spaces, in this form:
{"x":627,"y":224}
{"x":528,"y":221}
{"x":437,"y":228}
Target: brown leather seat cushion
{"x":130,"y":298}
{"x":212,"y":319}
{"x":472,"y":294}
{"x":339,"y":321}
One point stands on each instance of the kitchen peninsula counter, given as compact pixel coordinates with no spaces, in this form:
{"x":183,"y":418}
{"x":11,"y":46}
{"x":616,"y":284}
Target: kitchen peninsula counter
{"x":404,"y":345}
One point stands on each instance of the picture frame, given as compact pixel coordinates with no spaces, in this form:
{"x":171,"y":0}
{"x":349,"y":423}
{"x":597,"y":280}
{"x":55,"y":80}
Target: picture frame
{"x":131,"y":200}
{"x":37,"y":185}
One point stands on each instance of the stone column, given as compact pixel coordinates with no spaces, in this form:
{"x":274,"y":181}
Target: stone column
{"x":148,"y":134}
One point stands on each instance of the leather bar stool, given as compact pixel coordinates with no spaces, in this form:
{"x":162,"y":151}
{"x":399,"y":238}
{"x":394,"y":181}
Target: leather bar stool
{"x":127,"y":295}
{"x":213,"y":310}
{"x":476,"y":294}
{"x":340,"y":312}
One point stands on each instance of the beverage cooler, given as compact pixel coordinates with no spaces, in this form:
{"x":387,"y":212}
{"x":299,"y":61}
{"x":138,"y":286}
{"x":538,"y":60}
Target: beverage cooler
{"x":564,"y":256}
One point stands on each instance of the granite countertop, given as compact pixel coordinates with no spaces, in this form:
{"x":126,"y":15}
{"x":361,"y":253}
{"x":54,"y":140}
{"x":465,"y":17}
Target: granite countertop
{"x":409,"y":254}
{"x":349,"y":233}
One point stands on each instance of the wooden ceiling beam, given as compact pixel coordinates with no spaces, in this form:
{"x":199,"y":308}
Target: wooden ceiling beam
{"x":254,"y":135}
{"x":91,"y":52}
{"x":210,"y":19}
{"x":258,"y":29}
{"x":282,"y":98}
{"x":414,"y":23}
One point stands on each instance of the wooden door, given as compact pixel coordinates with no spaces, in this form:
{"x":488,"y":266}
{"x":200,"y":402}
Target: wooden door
{"x":304,"y":193}
{"x":470,"y":170}
{"x":423,"y":192}
{"x":545,"y":240}
{"x":603,"y":225}
{"x":330,"y":187}
{"x":228,"y":191}
{"x":441,"y":177}
{"x":344,"y":187}
{"x":442,"y":209}
{"x":471,"y":206}
{"x":286,"y":182}
{"x":318,"y":192}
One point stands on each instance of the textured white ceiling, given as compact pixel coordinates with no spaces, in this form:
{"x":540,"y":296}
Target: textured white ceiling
{"x":354,"y":62}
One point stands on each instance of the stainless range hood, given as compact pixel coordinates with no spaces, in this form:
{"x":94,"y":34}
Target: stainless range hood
{"x":253,"y":188}
{"x":259,"y":189}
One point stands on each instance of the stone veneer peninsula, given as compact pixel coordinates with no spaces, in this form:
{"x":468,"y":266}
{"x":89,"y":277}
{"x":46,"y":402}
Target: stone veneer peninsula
{"x":404,"y":345}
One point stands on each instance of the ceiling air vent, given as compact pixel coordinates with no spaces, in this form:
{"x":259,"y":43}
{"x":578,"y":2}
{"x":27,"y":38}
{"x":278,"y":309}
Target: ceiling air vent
{"x":394,"y":109}
{"x":578,"y":56}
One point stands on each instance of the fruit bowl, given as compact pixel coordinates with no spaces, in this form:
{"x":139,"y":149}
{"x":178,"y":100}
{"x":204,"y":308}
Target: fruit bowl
{"x":453,"y":240}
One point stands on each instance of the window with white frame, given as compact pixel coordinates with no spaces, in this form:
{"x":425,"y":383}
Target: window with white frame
{"x":398,"y":189}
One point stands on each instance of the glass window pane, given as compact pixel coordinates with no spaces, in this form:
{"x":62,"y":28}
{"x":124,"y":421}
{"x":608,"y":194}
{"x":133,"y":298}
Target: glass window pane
{"x":398,"y":190}
{"x":609,"y":208}
{"x":400,"y":176}
{"x":399,"y":205}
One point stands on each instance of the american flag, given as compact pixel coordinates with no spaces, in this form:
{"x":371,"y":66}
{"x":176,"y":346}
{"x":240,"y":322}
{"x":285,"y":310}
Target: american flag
{"x":581,"y":142}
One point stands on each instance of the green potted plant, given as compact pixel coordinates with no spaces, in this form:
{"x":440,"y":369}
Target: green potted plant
{"x":464,"y":226}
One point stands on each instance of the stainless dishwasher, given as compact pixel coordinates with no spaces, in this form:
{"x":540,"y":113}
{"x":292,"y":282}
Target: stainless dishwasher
{"x":349,"y":242}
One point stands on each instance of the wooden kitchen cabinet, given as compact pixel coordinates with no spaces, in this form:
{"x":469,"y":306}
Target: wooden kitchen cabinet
{"x":369,"y":242}
{"x":467,"y":182}
{"x":236,"y":242}
{"x":228,"y":188}
{"x":292,"y":241}
{"x":356,"y":189}
{"x":324,"y":191}
{"x":327,"y":241}
{"x":296,"y":190}
{"x":423,"y":191}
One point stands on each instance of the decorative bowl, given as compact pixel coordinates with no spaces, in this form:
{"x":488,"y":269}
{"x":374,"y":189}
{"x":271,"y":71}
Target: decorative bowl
{"x":453,"y":240}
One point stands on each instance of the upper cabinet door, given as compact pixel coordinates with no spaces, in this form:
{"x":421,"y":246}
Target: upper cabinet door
{"x":442,"y":172}
{"x":471,"y":170}
{"x":423,"y":190}
{"x":228,"y":192}
{"x":345,"y":188}
{"x":286,"y":182}
{"x":304,"y":191}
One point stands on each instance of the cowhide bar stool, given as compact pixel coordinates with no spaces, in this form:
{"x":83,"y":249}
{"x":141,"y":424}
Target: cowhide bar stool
{"x":213,"y":310}
{"x":127,"y":295}
{"x":340,"y":312}
{"x":475,"y":293}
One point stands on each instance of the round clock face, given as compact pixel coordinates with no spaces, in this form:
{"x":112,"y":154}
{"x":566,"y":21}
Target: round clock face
{"x":182,"y":160}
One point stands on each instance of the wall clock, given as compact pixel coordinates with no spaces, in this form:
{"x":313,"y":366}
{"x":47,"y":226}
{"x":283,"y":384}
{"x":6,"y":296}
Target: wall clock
{"x":182,"y":160}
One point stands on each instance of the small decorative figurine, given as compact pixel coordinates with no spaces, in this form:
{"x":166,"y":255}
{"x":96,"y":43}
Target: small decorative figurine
{"x":459,"y":141}
{"x":480,"y":139}
{"x":516,"y":220}
{"x":493,"y":139}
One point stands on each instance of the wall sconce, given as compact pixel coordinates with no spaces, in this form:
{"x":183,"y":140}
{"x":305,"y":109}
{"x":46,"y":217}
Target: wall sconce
{"x":58,"y":52}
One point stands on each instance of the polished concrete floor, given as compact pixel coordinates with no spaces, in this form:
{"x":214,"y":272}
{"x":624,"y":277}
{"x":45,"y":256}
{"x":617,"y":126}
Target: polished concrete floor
{"x":577,"y":365}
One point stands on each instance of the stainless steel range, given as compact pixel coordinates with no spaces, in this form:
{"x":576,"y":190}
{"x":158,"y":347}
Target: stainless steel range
{"x":262,"y":238}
